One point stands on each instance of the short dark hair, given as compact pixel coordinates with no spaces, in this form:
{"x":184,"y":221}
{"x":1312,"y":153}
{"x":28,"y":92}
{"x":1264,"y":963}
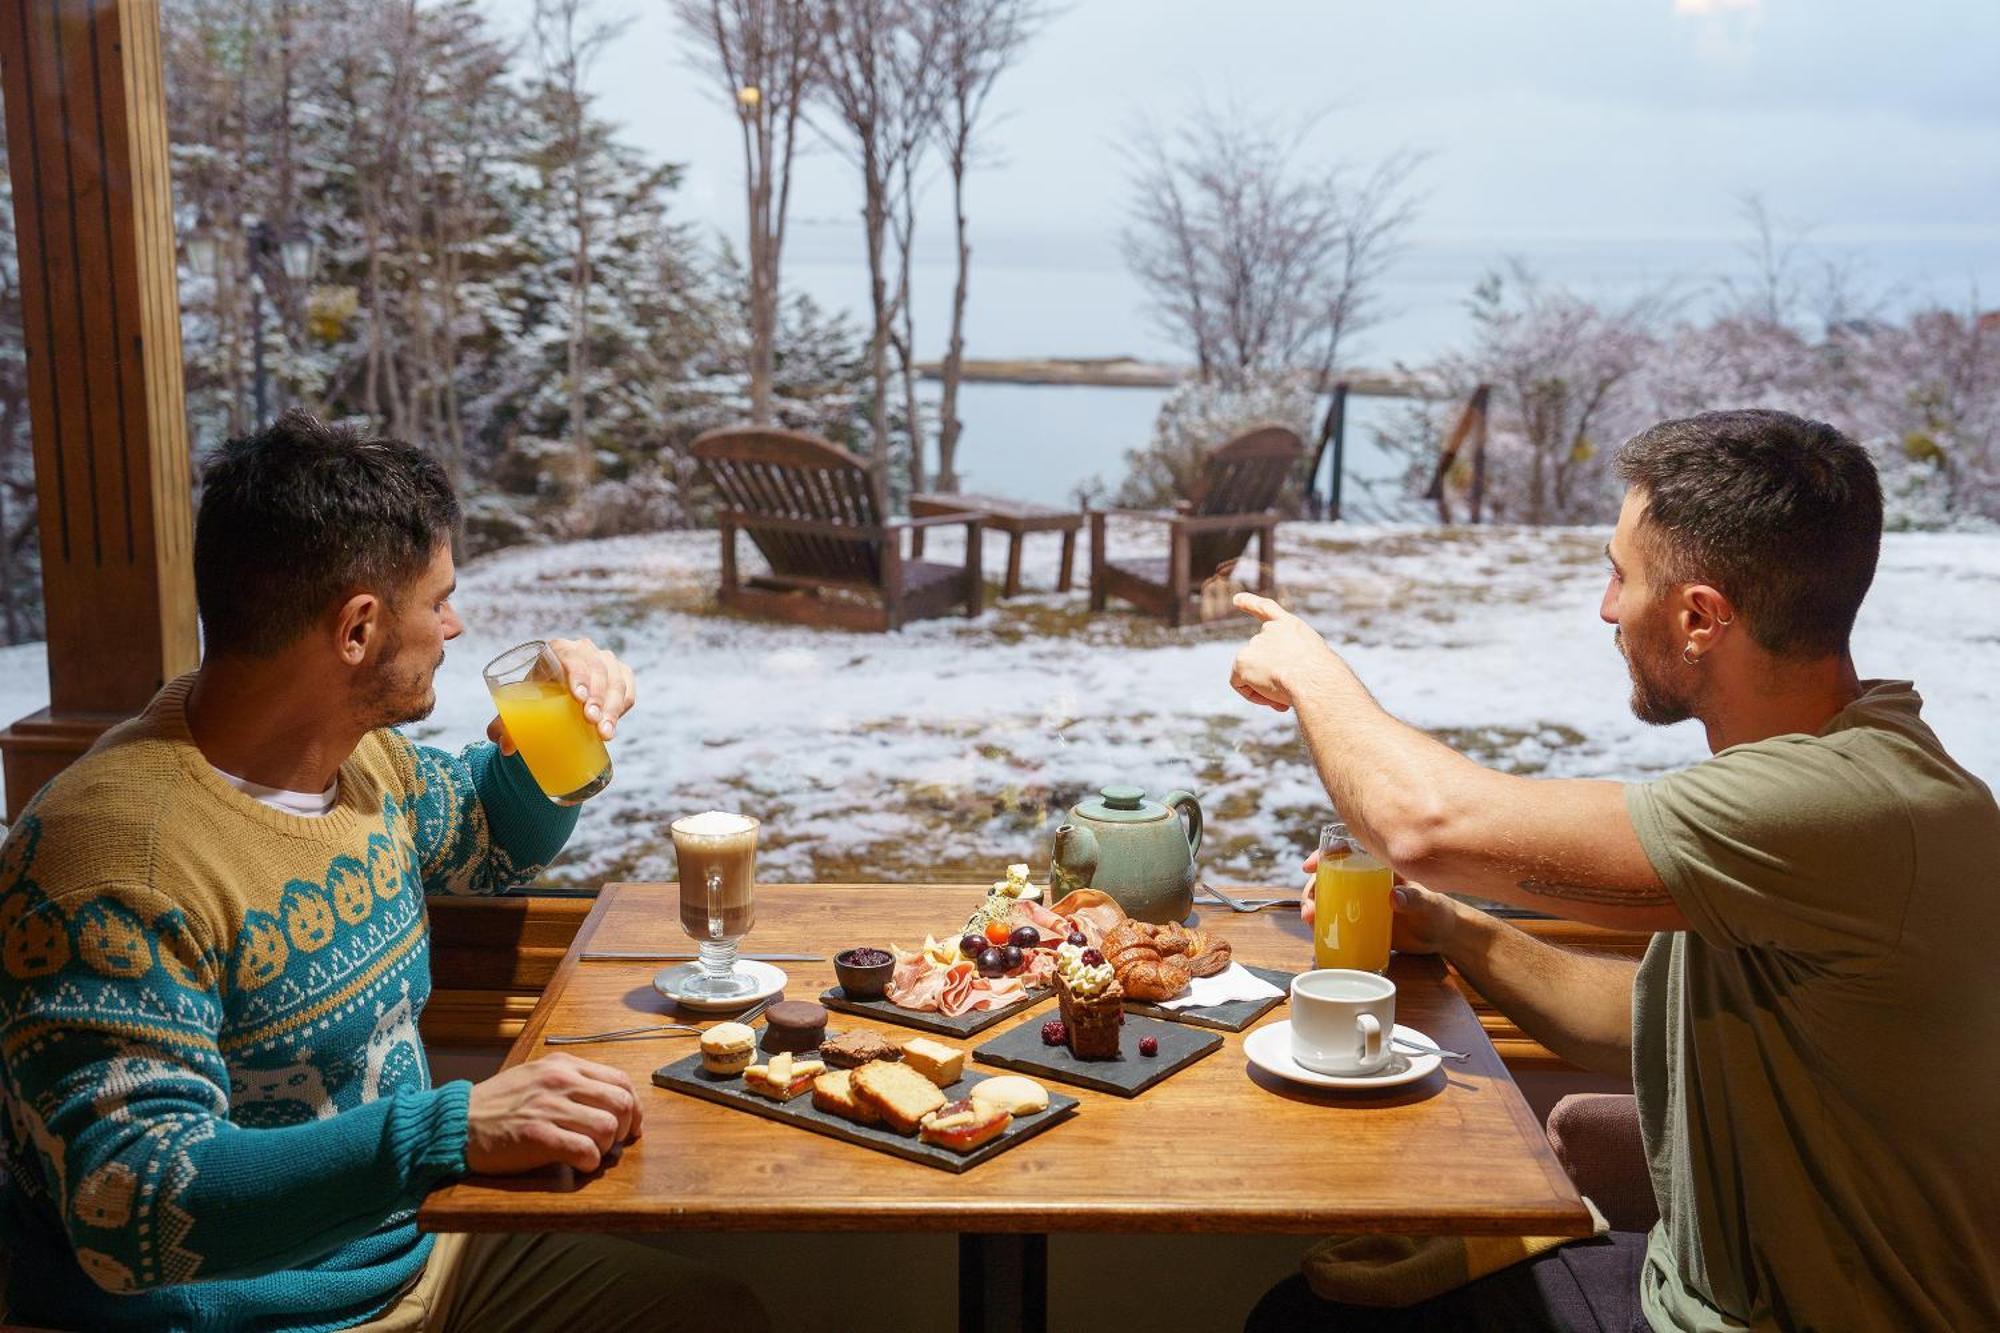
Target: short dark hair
{"x":300,"y":514}
{"x":1781,"y":514}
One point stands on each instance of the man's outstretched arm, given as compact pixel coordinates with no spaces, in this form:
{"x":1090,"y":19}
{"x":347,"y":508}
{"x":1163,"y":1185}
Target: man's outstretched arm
{"x":1562,"y":846}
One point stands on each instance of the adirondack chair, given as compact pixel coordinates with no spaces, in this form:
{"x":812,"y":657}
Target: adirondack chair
{"x":1207,"y":533}
{"x":813,"y":511}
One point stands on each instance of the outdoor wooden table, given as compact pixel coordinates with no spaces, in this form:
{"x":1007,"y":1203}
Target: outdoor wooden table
{"x":1220,"y":1147}
{"x":1016,"y":518}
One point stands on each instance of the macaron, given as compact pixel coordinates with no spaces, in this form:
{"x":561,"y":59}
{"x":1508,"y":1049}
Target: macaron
{"x":727,"y":1048}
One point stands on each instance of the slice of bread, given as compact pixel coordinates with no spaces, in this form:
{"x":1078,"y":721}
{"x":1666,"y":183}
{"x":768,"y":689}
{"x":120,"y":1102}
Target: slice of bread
{"x":899,"y":1094}
{"x":934,"y":1060}
{"x":833,"y":1092}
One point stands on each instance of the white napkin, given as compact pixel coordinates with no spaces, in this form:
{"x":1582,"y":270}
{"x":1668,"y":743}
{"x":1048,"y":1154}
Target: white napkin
{"x":1235,"y":982}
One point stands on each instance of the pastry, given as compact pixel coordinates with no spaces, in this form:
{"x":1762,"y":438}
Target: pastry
{"x":783,"y":1078}
{"x":934,"y":1060}
{"x":964,"y":1125}
{"x":1093,"y":1004}
{"x":1157,"y":962}
{"x":1011,"y":1093}
{"x":833,"y":1092}
{"x":898,"y":1093}
{"x":794,"y":1025}
{"x":727,"y":1048}
{"x":851,"y":1050}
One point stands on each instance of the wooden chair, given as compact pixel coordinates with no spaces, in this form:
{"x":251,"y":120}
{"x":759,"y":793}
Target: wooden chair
{"x":1207,"y":533}
{"x":814,"y":512}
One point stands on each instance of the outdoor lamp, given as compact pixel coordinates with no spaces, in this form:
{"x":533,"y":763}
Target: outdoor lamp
{"x":296,"y":253}
{"x":203,"y":252}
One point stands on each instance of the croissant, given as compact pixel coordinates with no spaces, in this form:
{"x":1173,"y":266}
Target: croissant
{"x":1155,"y":979}
{"x":1209,"y":961}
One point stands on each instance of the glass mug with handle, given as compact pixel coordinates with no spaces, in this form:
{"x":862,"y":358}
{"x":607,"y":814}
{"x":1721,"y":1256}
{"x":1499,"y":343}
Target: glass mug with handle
{"x":545,"y":720}
{"x":716,"y":856}
{"x":1353,"y":913}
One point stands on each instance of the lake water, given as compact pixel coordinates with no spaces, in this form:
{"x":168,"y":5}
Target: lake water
{"x":1059,"y":294}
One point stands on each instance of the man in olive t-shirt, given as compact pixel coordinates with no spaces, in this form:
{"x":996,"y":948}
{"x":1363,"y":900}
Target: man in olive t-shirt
{"x":1811,"y":1033}
{"x":1812,"y":1057}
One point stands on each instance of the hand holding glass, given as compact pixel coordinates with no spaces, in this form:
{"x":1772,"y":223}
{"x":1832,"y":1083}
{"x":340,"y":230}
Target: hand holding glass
{"x":545,"y":720}
{"x":1352,"y":912}
{"x":717,"y":855}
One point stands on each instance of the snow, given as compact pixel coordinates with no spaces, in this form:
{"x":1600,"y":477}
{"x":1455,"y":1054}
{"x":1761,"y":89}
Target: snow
{"x":951,"y":749}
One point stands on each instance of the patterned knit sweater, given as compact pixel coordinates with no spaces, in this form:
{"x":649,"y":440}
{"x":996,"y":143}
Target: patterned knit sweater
{"x":218,"y":1112}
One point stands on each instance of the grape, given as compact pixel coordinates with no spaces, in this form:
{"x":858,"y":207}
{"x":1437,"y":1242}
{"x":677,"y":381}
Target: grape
{"x":1076,"y":937}
{"x":1013,"y":956}
{"x":971,"y":945}
{"x":1025,"y":937}
{"x":992,"y":962}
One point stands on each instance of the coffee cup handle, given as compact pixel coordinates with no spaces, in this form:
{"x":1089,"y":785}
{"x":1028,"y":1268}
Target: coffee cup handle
{"x":1370,"y":1028}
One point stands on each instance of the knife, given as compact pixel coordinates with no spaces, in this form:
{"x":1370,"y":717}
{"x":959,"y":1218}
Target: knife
{"x":649,"y":956}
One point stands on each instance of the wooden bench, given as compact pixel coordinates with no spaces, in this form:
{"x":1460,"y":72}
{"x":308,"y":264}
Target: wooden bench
{"x":1016,"y":518}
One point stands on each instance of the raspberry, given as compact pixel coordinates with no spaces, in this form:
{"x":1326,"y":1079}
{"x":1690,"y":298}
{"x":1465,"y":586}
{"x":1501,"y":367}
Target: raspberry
{"x":1092,"y":958}
{"x":1054,"y":1033}
{"x":1149,"y":1045}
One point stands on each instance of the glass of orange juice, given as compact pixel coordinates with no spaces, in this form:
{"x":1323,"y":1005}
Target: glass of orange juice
{"x":1352,"y":919}
{"x":545,"y":720}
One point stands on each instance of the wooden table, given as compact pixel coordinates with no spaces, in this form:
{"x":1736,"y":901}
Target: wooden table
{"x":1016,"y":518}
{"x":1220,"y":1147}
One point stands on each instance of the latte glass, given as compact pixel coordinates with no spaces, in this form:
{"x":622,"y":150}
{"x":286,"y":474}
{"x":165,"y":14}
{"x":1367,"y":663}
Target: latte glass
{"x":717,"y":856}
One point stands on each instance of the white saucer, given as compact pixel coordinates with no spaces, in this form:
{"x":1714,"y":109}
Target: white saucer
{"x":1270,"y":1049}
{"x":672,"y":983}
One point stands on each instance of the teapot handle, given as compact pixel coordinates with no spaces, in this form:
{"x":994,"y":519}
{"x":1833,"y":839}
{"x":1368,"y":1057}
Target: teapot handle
{"x":1190,"y":809}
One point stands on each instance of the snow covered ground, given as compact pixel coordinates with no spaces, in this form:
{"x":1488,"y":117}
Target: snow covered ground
{"x":954,"y":747}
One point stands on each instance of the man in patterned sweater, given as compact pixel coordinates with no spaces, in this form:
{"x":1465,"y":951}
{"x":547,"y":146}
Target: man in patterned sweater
{"x":214,"y":952}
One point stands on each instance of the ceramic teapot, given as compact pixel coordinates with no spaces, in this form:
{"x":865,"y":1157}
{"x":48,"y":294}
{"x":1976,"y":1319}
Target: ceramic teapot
{"x":1136,"y":850}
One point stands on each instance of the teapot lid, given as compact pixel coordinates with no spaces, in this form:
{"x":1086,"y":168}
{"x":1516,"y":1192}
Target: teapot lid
{"x":1121,"y":805}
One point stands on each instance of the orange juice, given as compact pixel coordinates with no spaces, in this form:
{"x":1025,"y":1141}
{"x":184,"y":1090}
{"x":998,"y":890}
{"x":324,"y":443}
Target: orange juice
{"x":559,"y":744}
{"x":1354,"y":913}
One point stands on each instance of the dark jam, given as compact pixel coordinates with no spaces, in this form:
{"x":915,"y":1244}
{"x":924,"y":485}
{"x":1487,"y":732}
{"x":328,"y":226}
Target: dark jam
{"x":865,"y":958}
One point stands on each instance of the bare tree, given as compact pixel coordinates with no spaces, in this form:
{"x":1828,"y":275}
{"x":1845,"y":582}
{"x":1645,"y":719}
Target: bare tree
{"x":977,"y":39}
{"x":1257,"y":259}
{"x":878,"y":87}
{"x":565,"y":45}
{"x":763,"y":53}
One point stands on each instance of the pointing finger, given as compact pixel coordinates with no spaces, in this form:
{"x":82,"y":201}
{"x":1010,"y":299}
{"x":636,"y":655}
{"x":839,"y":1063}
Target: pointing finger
{"x":1263,"y":608}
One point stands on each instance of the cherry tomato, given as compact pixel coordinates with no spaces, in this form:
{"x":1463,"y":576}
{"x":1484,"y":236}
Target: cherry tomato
{"x":998,"y":931}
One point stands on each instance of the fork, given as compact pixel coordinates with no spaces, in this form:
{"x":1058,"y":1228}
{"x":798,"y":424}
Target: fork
{"x":659,"y":1029}
{"x":1247,"y":904}
{"x":626,"y":1034}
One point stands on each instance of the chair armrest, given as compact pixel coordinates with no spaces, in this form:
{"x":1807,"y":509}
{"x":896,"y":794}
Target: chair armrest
{"x":1152,"y":515}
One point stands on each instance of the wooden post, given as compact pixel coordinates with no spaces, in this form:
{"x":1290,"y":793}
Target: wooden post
{"x":87,"y":146}
{"x":1480,"y":397}
{"x":1335,"y":433}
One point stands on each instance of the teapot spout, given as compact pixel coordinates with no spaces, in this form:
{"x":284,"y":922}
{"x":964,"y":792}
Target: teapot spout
{"x":1074,"y":864}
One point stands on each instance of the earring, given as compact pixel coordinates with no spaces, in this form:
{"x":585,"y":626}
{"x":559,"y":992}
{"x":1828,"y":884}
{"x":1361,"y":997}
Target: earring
{"x":1730,"y":621}
{"x":1687,"y":654}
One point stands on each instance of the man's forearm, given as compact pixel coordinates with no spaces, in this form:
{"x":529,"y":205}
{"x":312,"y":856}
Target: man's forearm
{"x":1562,"y":846}
{"x":1577,"y":1005}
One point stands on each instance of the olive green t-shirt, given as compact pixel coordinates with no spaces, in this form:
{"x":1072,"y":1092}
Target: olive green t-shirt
{"x":1817,"y":1060}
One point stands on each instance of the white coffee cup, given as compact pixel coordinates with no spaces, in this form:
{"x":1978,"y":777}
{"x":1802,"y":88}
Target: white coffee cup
{"x":1342,"y":1020}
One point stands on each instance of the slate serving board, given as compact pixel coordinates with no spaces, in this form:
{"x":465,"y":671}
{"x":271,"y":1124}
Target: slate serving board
{"x":1127,"y":1076}
{"x":962,"y":1026}
{"x":687,"y":1076}
{"x":1231,"y":1017}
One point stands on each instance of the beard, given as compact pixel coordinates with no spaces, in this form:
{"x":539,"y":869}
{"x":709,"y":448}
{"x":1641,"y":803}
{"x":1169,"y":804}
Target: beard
{"x":1659,"y":695}
{"x":397,"y":693}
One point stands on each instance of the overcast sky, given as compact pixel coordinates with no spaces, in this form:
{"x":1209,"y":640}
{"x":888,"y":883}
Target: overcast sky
{"x":1601,"y":121}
